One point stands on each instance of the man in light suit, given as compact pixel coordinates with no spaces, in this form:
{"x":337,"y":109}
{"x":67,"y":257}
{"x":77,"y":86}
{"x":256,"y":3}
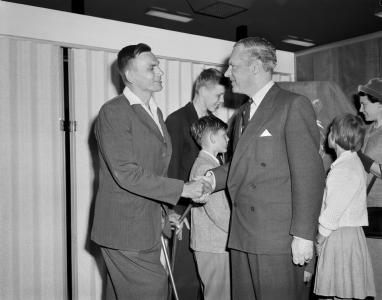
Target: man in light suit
{"x":275,"y":180}
{"x":130,"y":210}
{"x":208,"y":96}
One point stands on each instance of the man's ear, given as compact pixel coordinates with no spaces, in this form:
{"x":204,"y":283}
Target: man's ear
{"x":256,"y":66}
{"x":202,"y":91}
{"x":128,"y":77}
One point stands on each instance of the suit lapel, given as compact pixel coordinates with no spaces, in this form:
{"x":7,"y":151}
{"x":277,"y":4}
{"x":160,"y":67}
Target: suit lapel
{"x":191,"y":113}
{"x":147,"y":120}
{"x":166,"y":135}
{"x":262,"y":114}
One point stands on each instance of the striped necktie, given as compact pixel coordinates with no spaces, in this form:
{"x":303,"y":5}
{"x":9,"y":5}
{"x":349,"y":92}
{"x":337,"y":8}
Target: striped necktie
{"x":246,"y":115}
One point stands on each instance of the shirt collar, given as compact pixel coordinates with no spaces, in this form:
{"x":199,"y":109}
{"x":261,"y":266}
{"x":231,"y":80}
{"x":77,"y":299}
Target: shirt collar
{"x":260,"y":94}
{"x":134,"y":99}
{"x":204,"y":151}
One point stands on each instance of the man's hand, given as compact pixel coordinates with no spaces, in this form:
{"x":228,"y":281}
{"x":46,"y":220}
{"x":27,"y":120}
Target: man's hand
{"x":174,"y":221}
{"x":196,"y":188}
{"x":307,"y":276}
{"x":302,"y":250}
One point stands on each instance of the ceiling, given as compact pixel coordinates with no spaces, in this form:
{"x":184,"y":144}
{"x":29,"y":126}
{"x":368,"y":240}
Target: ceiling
{"x":322,"y":21}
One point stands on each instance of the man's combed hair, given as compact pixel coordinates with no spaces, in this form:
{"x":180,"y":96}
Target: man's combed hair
{"x":126,"y":54}
{"x":205,"y":125}
{"x":209,"y":77}
{"x":348,"y":131}
{"x":261,"y":49}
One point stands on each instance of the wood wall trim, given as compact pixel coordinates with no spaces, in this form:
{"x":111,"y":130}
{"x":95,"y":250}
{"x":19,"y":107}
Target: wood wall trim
{"x":346,"y":42}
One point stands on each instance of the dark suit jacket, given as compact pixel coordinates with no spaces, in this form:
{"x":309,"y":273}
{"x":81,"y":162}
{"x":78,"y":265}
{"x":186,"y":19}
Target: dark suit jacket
{"x":275,"y":182}
{"x":184,"y":148}
{"x":134,"y":158}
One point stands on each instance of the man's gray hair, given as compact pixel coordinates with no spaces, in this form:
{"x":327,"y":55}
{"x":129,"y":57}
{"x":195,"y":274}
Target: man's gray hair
{"x":261,"y":49}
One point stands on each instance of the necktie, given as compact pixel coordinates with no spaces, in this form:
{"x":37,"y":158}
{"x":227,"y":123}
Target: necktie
{"x":220,"y":159}
{"x":246,"y":114}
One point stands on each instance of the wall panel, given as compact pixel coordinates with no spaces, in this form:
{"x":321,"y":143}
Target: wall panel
{"x":32,"y":201}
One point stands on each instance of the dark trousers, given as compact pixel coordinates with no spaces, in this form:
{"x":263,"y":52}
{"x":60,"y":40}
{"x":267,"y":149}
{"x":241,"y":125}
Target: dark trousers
{"x":135,"y":275}
{"x":267,"y":277}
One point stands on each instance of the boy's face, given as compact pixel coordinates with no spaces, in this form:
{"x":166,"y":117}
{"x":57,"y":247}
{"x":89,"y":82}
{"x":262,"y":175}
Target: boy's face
{"x":213,"y":96}
{"x":220,"y":140}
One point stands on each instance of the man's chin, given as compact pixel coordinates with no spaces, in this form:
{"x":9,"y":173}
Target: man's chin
{"x":157,"y":88}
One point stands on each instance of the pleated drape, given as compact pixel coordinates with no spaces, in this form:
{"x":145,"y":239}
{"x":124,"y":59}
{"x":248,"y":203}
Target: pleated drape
{"x":32,"y":195}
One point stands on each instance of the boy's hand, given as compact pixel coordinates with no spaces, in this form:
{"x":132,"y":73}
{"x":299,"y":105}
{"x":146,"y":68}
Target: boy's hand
{"x":174,"y":221}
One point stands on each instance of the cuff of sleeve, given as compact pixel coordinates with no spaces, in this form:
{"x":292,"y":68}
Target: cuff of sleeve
{"x":324,"y":231}
{"x":213,"y":180}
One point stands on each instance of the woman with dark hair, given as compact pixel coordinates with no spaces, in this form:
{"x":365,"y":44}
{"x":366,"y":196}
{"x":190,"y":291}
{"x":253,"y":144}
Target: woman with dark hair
{"x":370,"y":96}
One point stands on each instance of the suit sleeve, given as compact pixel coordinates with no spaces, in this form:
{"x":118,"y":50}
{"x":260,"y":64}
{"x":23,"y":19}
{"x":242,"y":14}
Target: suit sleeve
{"x":306,"y":168}
{"x":113,"y":132}
{"x":221,"y":176}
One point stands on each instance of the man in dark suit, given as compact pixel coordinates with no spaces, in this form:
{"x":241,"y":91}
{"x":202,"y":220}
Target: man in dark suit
{"x":130,"y":210}
{"x":208,"y":96}
{"x":275,"y":180}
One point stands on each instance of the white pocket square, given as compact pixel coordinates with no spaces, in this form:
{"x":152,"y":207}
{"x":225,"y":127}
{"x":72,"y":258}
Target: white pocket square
{"x":266,"y":133}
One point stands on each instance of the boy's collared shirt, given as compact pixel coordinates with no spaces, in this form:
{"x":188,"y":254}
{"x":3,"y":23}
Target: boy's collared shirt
{"x":258,"y":97}
{"x":212,"y":156}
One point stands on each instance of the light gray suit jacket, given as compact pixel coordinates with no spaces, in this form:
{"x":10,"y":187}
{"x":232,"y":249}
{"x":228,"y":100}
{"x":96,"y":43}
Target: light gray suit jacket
{"x":209,"y":222}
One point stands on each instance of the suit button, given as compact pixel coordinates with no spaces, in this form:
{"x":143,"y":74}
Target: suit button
{"x":252,"y":208}
{"x":235,"y":204}
{"x":263,"y":164}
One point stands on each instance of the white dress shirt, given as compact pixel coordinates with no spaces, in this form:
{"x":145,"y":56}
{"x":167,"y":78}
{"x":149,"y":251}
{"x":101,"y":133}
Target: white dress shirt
{"x":152,"y":108}
{"x":258,"y":97}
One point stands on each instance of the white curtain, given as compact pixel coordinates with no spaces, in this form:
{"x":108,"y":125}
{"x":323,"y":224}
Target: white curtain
{"x":32,"y":202}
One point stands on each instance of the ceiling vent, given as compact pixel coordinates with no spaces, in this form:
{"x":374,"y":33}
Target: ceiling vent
{"x":220,"y":8}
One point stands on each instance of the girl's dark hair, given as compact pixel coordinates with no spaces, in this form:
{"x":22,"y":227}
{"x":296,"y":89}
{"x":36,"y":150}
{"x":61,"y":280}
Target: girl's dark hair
{"x":348,"y":131}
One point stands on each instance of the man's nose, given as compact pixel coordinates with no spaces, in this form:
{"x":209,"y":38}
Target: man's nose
{"x":159,"y":71}
{"x":228,"y":72}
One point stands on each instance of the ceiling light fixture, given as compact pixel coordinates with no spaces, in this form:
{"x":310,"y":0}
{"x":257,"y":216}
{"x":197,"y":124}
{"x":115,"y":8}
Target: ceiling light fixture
{"x":220,"y":8}
{"x":298,"y":42}
{"x":169,"y":16}
{"x":378,"y":14}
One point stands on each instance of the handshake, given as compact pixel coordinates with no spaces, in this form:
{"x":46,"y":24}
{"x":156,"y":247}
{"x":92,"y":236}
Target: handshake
{"x":198,"y":188}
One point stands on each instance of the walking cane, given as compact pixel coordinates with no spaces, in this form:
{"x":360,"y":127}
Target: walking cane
{"x":169,"y":268}
{"x":174,"y":241}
